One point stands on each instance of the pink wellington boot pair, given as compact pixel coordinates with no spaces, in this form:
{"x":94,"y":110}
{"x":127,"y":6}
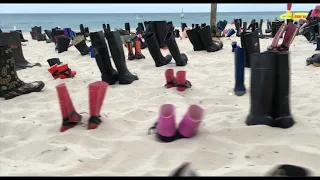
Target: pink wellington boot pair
{"x":180,"y":81}
{"x":71,"y":118}
{"x":290,"y":33}
{"x":166,"y":124}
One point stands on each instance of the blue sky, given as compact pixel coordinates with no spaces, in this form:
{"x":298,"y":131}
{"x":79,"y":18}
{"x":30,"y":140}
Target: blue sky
{"x":145,"y":8}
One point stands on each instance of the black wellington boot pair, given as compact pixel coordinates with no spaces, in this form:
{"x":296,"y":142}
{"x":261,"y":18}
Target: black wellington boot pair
{"x":154,"y":49}
{"x":10,"y":84}
{"x":159,"y":28}
{"x":201,"y":39}
{"x":80,"y":43}
{"x":108,"y":74}
{"x":270,"y":90}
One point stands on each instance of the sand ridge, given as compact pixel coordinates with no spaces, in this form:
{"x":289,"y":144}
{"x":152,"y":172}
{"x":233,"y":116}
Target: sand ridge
{"x":31,"y":144}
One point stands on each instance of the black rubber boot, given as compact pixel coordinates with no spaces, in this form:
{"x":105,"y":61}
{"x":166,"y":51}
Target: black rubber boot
{"x":194,"y":38}
{"x":262,"y":85}
{"x":183,"y":25}
{"x":83,"y":31}
{"x":104,"y":27}
{"x":181,"y":59}
{"x":80,"y":43}
{"x":170,"y":27}
{"x":108,"y":27}
{"x":101,"y":54}
{"x":161,"y":32}
{"x":13,"y":39}
{"x":177,"y":33}
{"x":244,"y":27}
{"x":237,"y":25}
{"x":203,"y":25}
{"x":281,"y":107}
{"x":127,"y":27}
{"x":62,"y":44}
{"x":21,"y":36}
{"x":54,"y":61}
{"x":251,"y":44}
{"x":147,"y":24}
{"x":56,"y":32}
{"x":140,"y":25}
{"x":119,"y":58}
{"x":209,"y":44}
{"x":10,"y":84}
{"x":49,"y":34}
{"x":155,"y":52}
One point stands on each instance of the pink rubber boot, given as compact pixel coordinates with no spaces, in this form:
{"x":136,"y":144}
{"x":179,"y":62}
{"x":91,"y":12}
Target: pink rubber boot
{"x":166,"y":123}
{"x":190,"y":122}
{"x":69,"y":115}
{"x":289,"y":36}
{"x":97,"y":91}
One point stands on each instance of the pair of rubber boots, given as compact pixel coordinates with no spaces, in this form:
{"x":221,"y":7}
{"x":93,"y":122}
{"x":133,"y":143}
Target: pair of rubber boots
{"x":10,"y":84}
{"x":201,"y":39}
{"x":270,"y":90}
{"x":165,"y":126}
{"x":101,"y":54}
{"x":59,"y":70}
{"x":70,"y":117}
{"x":154,"y":49}
{"x":290,"y":31}
{"x":180,"y":81}
{"x":159,"y":28}
{"x":80,"y":43}
{"x":137,"y":47}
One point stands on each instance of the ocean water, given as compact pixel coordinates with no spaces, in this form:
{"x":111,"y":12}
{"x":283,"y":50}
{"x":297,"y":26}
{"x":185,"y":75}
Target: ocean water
{"x":24,"y":22}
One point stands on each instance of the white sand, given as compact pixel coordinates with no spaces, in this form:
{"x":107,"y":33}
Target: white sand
{"x":31,"y":144}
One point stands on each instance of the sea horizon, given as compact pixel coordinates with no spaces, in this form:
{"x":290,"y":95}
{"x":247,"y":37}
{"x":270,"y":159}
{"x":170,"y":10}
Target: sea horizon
{"x":24,"y":21}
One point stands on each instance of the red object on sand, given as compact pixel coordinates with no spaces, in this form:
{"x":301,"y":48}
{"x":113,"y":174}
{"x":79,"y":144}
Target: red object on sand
{"x":97,"y":91}
{"x":69,"y":115}
{"x":65,"y":71}
{"x":171,"y":80}
{"x":182,"y":82}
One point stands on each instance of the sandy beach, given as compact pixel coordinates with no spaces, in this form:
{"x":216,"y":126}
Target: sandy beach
{"x":31,"y":144}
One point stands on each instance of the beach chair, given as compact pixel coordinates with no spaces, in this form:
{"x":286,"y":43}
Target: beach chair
{"x":13,"y":40}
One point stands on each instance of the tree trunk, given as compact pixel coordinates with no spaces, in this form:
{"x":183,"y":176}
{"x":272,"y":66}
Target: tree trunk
{"x":213,"y":14}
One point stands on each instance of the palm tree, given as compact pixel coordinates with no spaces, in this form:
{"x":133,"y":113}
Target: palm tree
{"x":213,"y":14}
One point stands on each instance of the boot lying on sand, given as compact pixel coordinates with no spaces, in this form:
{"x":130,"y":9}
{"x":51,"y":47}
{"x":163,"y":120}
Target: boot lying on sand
{"x":166,"y":125}
{"x":290,"y":33}
{"x":155,"y":52}
{"x":70,"y":117}
{"x":179,"y":81}
{"x":181,"y":59}
{"x":80,"y":43}
{"x":314,"y":60}
{"x":288,"y":170}
{"x":10,"y":84}
{"x":270,"y":90}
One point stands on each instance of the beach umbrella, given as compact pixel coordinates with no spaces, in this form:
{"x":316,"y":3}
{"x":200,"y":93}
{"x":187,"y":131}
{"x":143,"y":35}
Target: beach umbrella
{"x":289,"y":5}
